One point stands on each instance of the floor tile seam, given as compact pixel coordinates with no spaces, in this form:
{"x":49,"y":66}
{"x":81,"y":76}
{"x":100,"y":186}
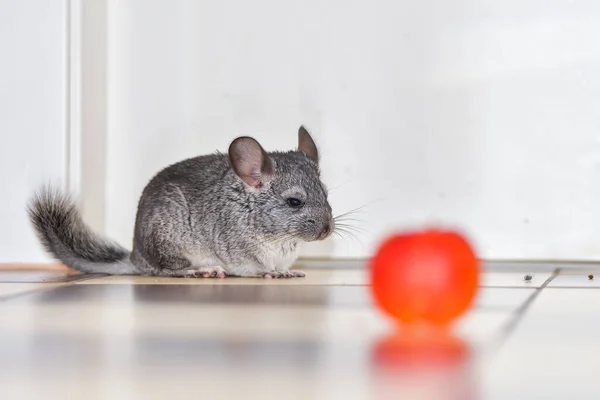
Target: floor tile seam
{"x":517,"y":316}
{"x":50,"y":286}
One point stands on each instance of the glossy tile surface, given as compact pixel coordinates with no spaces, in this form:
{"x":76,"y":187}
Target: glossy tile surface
{"x":235,"y":311}
{"x":554,"y":351}
{"x":315,"y":338}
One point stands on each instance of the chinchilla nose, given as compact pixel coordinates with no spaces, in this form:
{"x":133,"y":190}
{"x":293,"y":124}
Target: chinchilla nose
{"x":326,"y":230}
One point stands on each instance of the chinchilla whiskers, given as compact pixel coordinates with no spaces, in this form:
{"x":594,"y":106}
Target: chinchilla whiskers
{"x":353,"y":228}
{"x":343,"y":232}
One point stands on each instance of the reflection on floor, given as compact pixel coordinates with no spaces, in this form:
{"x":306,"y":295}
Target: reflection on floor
{"x":73,"y":336}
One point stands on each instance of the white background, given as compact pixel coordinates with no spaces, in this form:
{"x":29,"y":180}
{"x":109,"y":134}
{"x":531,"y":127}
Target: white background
{"x":479,"y":114}
{"x":33,"y":115}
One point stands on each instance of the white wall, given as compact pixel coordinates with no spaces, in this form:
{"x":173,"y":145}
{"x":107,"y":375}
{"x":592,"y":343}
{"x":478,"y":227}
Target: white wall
{"x":481,"y":114}
{"x":33,"y":115}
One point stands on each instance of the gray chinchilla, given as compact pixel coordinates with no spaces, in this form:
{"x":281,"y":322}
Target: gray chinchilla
{"x":241,"y":214}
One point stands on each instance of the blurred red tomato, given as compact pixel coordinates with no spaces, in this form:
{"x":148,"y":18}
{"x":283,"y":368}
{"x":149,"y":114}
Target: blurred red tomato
{"x":430,"y":276}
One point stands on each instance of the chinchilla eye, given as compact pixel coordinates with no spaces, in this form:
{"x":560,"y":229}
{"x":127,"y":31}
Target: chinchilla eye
{"x":294,"y":203}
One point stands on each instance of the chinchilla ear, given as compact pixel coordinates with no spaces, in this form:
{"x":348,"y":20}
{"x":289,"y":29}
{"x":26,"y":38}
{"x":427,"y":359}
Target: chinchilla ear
{"x":307,"y":145}
{"x":251,"y":162}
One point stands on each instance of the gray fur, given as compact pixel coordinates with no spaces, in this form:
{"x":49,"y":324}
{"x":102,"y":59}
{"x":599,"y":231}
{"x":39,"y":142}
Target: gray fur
{"x":207,"y":216}
{"x":63,"y":233}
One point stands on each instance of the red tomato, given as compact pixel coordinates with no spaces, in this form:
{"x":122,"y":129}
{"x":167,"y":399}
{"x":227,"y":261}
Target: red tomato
{"x":429,"y":276}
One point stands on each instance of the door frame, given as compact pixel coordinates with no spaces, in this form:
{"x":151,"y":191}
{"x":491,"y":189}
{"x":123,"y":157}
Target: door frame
{"x":87,"y":39}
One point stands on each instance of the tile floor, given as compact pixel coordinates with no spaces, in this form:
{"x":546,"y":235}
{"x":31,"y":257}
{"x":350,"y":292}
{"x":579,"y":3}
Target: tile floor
{"x":72,"y":336}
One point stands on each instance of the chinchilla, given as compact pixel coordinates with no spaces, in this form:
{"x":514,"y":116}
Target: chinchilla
{"x":245,"y":213}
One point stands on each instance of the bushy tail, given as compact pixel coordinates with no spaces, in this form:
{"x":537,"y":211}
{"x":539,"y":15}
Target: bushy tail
{"x":63,"y":233}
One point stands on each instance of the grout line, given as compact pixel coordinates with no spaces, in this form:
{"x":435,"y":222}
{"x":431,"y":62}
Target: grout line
{"x":520,"y":312}
{"x":574,"y":287}
{"x":43,"y":288}
{"x":541,"y":261}
{"x":515,"y":261}
{"x":88,"y":277}
{"x":67,"y":279}
{"x":524,"y":286}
